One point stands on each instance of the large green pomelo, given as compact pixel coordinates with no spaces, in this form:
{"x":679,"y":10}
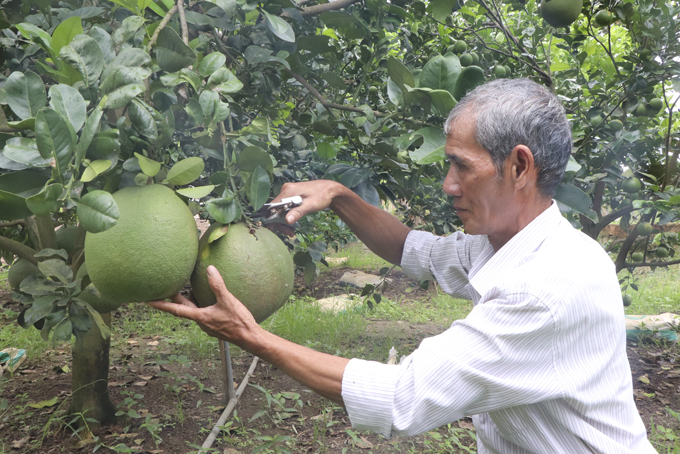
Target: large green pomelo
{"x":561,"y":13}
{"x":19,"y":271}
{"x":89,"y":294}
{"x":151,"y":251}
{"x":256,"y":267}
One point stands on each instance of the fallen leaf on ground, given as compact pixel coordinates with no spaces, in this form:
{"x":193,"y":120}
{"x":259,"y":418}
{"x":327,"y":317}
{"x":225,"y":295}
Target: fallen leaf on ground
{"x":466,"y":425}
{"x":364,"y":444}
{"x":18,"y":444}
{"x":139,"y":383}
{"x":44,"y":403}
{"x":644,"y":379}
{"x":152,"y":343}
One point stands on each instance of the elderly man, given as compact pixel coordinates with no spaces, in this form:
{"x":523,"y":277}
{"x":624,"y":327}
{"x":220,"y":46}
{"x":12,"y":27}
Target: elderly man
{"x":540,"y":362}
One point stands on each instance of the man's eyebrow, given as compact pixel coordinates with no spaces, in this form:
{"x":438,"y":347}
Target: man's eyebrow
{"x":455,"y":159}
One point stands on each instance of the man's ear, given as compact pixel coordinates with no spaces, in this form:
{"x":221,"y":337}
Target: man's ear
{"x":522,"y":165}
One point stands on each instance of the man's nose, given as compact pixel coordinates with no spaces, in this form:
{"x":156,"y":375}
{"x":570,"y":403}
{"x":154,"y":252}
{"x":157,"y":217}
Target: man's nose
{"x":451,"y":185}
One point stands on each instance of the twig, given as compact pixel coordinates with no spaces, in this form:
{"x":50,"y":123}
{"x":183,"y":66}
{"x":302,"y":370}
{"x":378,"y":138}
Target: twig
{"x":318,"y":9}
{"x":12,"y":223}
{"x":325,"y":102}
{"x":160,"y":27}
{"x":19,"y":249}
{"x":183,"y":22}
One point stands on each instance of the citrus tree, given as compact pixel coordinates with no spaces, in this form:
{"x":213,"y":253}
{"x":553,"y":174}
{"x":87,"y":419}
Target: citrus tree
{"x":226,"y":100}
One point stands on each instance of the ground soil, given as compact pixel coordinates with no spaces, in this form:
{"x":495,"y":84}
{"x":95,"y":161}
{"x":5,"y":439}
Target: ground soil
{"x":185,"y":401}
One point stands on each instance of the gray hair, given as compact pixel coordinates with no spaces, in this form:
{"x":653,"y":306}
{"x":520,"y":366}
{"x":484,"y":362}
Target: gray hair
{"x":511,"y":112}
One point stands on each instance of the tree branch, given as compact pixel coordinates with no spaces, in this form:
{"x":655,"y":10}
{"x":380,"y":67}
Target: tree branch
{"x":19,"y":249}
{"x":183,"y":22}
{"x":12,"y":223}
{"x":160,"y":27}
{"x":318,"y":9}
{"x":325,"y":102}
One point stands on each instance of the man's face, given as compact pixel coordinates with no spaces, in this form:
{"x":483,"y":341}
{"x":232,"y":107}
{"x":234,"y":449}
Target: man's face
{"x":482,"y":199}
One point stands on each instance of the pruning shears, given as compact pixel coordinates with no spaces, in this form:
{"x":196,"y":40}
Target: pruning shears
{"x":275,"y":213}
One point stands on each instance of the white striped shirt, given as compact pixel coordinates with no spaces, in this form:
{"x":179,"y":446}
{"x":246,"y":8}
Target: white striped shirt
{"x":539,"y":363}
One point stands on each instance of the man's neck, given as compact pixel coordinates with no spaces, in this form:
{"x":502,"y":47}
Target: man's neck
{"x":523,"y":218}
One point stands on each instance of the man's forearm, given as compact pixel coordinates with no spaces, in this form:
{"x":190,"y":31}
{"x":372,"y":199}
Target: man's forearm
{"x":381,"y":232}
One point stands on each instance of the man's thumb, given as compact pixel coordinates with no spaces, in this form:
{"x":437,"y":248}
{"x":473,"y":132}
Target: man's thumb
{"x":217,"y":283}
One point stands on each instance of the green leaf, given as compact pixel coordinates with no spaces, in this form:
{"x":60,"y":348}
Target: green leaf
{"x":326,"y":150}
{"x":28,"y":123}
{"x":440,"y":73}
{"x":279,"y":27}
{"x":142,"y":120}
{"x":25,"y":94}
{"x":49,"y":252}
{"x":97,"y":211}
{"x":432,"y":149}
{"x":443,"y":101}
{"x":105,"y":43}
{"x":85,"y":56}
{"x":55,"y":137}
{"x":252,"y":157}
{"x":89,"y":130}
{"x":353,"y":176}
{"x":310,"y":272}
{"x":223,"y":210}
{"x":211,"y":63}
{"x":120,"y":97}
{"x":62,"y":331}
{"x":346,"y":24}
{"x":171,"y":52}
{"x":575,"y":199}
{"x":65,"y":32}
{"x":259,"y":188}
{"x":557,"y":66}
{"x":94,"y":168}
{"x":40,"y":308}
{"x":45,"y":403}
{"x":45,"y":203}
{"x":186,"y":171}
{"x":13,"y":207}
{"x":96,"y":316}
{"x":197,"y":192}
{"x":148,"y":166}
{"x":120,"y":77}
{"x":441,"y":9}
{"x":400,"y":74}
{"x":129,"y":57}
{"x":56,"y":268}
{"x":24,"y":183}
{"x":24,"y":151}
{"x":36,"y":35}
{"x":70,"y":103}
{"x":224,"y":81}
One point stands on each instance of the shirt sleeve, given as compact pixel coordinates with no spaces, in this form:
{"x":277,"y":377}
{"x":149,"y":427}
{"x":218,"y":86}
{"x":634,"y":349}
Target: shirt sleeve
{"x":501,"y":355}
{"x":447,"y":260}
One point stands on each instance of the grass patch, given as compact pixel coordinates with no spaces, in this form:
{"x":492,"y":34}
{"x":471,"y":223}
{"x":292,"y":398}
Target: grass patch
{"x":358,"y":257}
{"x":657,"y":293}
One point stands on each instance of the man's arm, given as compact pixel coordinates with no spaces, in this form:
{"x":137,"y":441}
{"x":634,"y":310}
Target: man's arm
{"x":231,"y":321}
{"x":381,"y":232}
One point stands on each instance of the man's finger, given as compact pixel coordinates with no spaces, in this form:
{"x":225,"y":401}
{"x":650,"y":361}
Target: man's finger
{"x":217,"y":284}
{"x":178,"y":310}
{"x":180,"y":299}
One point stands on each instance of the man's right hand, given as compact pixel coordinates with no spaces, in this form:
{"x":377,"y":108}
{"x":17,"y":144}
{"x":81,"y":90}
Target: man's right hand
{"x":317,"y":195}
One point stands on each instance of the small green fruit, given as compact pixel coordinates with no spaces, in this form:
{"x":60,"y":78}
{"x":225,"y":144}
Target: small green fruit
{"x":604,"y":18}
{"x":373,"y":90}
{"x":561,"y":13}
{"x":596,"y":121}
{"x":625,"y":203}
{"x":499,"y":71}
{"x":631,"y":185}
{"x":465,"y":60}
{"x":627,"y":300}
{"x":475,"y":58}
{"x":508,"y":71}
{"x":661,"y":252}
{"x":638,"y":257}
{"x":459,"y":47}
{"x":616,"y":125}
{"x":641,"y":110}
{"x":645,"y":55}
{"x":644,"y":229}
{"x":656,"y":104}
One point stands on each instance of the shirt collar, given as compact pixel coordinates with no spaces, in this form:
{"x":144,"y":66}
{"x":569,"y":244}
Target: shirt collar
{"x":485,"y":273}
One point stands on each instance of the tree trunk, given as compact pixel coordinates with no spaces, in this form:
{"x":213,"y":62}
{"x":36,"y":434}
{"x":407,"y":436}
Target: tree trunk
{"x":90,"y":379}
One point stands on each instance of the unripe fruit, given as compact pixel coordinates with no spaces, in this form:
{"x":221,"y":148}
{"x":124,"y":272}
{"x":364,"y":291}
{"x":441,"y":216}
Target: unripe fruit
{"x":661,"y":252}
{"x":459,"y":47}
{"x":604,"y":18}
{"x":561,"y":13}
{"x":645,"y":55}
{"x":465,"y":60}
{"x":644,"y":229}
{"x":508,"y":71}
{"x":641,"y":110}
{"x":638,"y":257}
{"x":475,"y":58}
{"x":625,"y":203}
{"x":596,"y":121}
{"x":373,"y":90}
{"x":627,"y":300}
{"x":656,"y":104}
{"x":615,"y":125}
{"x":631,"y":185}
{"x":499,"y":71}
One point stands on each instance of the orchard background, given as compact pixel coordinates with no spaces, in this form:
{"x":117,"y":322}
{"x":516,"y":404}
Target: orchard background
{"x":225,"y":101}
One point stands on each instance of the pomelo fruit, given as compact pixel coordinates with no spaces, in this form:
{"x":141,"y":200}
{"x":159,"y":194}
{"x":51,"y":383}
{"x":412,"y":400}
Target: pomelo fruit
{"x":625,"y":203}
{"x":475,"y":58}
{"x":19,"y":271}
{"x":644,"y":228}
{"x":616,"y":125}
{"x":465,"y":60}
{"x":637,"y":257}
{"x":627,"y":300}
{"x":656,"y":104}
{"x":661,"y":252}
{"x":596,"y":121}
{"x":561,"y":13}
{"x":641,"y":110}
{"x":89,"y":294}
{"x":256,"y":267}
{"x":459,"y":47}
{"x":150,"y":253}
{"x":499,"y":71}
{"x":631,"y":185}
{"x":604,"y":18}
